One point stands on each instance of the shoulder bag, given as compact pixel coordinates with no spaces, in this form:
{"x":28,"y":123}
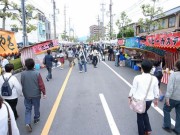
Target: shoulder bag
{"x":137,"y":105}
{"x":9,"y":121}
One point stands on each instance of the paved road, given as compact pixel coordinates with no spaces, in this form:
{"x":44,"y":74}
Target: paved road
{"x":93,"y":103}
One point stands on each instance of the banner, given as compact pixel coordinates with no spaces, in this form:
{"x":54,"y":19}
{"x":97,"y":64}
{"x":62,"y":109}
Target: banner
{"x":133,"y":42}
{"x":8,"y":43}
{"x":121,"y":42}
{"x":166,"y":40}
{"x":154,"y":50}
{"x":44,"y":46}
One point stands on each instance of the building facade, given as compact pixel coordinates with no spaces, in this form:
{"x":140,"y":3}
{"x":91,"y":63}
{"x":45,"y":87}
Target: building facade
{"x":170,"y":22}
{"x":42,"y":33}
{"x":96,"y":30}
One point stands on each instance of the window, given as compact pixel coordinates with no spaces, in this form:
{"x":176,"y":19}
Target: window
{"x":163,"y":24}
{"x":171,"y":22}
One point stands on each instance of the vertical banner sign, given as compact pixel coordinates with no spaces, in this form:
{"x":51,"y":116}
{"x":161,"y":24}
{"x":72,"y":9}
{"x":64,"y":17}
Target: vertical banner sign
{"x":8,"y":43}
{"x":121,"y":42}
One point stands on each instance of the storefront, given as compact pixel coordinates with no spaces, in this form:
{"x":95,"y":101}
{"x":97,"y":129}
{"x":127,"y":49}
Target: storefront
{"x":170,"y":43}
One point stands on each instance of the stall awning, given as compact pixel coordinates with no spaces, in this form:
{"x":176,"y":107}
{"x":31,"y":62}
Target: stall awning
{"x":165,"y":41}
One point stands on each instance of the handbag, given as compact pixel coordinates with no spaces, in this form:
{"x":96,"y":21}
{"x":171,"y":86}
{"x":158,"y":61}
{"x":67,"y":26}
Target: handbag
{"x":137,"y":105}
{"x":9,"y":122}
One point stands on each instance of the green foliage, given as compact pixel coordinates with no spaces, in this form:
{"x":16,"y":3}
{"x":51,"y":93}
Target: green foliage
{"x":17,"y":63}
{"x":122,"y":24}
{"x":5,"y":13}
{"x":148,"y":23}
{"x":128,"y":32}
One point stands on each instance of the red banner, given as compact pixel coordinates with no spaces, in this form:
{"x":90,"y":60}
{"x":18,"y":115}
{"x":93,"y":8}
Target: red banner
{"x":121,"y":42}
{"x":165,"y":40}
{"x":43,"y":46}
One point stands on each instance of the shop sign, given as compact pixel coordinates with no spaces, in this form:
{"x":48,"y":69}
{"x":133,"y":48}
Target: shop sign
{"x":42,"y":47}
{"x":121,"y":42}
{"x":8,"y":43}
{"x":164,"y":40}
{"x":133,"y":42}
{"x":154,"y":50}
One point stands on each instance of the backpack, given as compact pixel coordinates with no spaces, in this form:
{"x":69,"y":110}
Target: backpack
{"x":158,"y":73}
{"x":6,"y":90}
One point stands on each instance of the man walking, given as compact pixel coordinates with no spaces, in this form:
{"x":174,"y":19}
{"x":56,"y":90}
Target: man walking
{"x":32,"y":87}
{"x":48,"y":59}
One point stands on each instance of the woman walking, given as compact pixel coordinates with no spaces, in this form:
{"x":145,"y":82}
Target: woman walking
{"x":14,"y":85}
{"x":4,"y":109}
{"x":139,"y":90}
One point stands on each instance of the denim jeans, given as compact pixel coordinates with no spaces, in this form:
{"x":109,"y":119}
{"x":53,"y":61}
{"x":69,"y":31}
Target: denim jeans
{"x":49,"y":76}
{"x":81,"y":66}
{"x":143,"y":120}
{"x":167,"y":119}
{"x":117,"y":60}
{"x":29,"y":102}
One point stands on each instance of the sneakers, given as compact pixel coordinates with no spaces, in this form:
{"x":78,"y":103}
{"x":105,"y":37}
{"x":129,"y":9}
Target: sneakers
{"x":167,"y":129}
{"x":47,"y":79}
{"x":175,"y":132}
{"x":28,"y":127}
{"x":36,"y":121}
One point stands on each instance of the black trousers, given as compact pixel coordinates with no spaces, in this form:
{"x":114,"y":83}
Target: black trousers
{"x":95,"y":60}
{"x":13,"y":104}
{"x":143,"y":120}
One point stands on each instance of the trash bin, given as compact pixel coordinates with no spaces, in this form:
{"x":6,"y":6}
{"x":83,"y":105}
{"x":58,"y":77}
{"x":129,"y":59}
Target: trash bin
{"x":37,"y":66}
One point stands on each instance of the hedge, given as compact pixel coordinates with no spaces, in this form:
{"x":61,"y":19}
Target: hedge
{"x":17,"y":63}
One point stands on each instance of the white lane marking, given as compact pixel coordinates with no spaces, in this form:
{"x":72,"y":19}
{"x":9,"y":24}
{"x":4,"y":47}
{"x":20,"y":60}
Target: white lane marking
{"x":109,"y":116}
{"x":156,"y":108}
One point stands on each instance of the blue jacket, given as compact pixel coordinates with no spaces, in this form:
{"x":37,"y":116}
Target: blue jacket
{"x":48,"y":59}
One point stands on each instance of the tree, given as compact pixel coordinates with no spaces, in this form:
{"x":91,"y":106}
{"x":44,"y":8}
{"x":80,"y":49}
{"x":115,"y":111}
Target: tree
{"x":122,"y":24}
{"x":29,"y":16}
{"x":112,"y":34}
{"x":4,"y":13}
{"x":8,"y":12}
{"x":151,"y":13}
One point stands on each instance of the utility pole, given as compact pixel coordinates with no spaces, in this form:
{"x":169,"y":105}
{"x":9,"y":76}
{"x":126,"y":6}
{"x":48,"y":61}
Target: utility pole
{"x":98,"y":20}
{"x":110,"y":10}
{"x":69,"y":26}
{"x":54,"y":18}
{"x":102,"y":10}
{"x":65,"y":21}
{"x":25,"y":38}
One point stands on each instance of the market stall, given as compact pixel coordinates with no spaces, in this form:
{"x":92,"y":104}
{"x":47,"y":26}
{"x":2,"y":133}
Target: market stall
{"x":169,"y":42}
{"x":137,"y":51}
{"x":38,"y":51}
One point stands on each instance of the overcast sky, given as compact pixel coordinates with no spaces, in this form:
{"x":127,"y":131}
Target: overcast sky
{"x":84,"y":13}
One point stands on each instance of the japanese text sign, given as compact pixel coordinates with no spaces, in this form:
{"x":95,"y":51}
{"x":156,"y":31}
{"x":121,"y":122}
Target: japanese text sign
{"x":8,"y":43}
{"x":41,"y":47}
{"x":164,"y":40}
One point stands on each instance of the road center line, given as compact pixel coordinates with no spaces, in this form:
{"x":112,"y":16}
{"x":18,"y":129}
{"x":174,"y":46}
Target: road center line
{"x":52,"y":114}
{"x":156,"y":108}
{"x":109,"y":116}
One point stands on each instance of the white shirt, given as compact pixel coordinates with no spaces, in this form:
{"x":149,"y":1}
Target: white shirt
{"x":140,"y":86}
{"x":4,"y":62}
{"x":4,"y":121}
{"x":14,"y":83}
{"x":95,"y":53}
